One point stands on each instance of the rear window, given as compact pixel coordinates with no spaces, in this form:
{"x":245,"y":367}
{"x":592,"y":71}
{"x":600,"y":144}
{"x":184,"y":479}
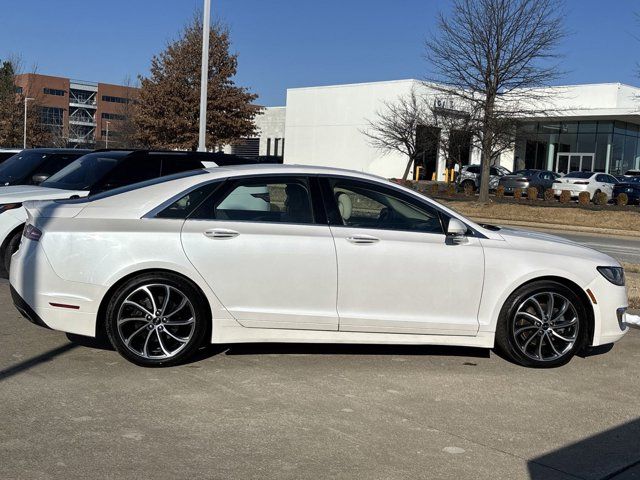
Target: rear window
{"x":579,"y":175}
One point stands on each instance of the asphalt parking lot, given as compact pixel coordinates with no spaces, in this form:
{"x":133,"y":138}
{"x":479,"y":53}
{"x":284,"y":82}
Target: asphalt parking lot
{"x":295,"y":412}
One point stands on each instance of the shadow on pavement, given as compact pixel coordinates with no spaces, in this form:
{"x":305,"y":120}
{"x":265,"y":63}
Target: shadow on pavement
{"x":35,"y":361}
{"x":613,"y":454}
{"x":97,"y":343}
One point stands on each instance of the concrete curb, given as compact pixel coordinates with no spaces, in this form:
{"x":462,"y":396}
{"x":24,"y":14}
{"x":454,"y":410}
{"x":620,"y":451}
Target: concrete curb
{"x":553,"y":226}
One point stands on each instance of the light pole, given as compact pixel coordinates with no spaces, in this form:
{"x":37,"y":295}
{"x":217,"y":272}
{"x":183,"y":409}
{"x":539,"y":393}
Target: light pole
{"x":204,"y":76}
{"x":24,"y":132}
{"x":106,"y":140}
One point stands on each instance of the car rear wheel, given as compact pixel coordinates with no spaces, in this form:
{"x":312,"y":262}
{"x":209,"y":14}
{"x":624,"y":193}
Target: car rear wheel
{"x":468,"y":185}
{"x":542,"y":324}
{"x":157,"y":320}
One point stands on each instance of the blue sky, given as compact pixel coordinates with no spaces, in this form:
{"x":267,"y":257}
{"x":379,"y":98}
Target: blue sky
{"x":291,"y":43}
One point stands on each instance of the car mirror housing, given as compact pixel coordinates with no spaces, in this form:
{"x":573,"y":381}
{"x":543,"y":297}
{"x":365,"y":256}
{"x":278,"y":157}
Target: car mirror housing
{"x":38,"y":178}
{"x":456,"y":228}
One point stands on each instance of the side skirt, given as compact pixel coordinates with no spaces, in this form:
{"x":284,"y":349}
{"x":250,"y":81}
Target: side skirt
{"x":227,"y":332}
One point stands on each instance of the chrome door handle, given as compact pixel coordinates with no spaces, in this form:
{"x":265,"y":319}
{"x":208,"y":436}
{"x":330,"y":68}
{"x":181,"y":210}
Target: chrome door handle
{"x":362,"y":239}
{"x":221,"y":233}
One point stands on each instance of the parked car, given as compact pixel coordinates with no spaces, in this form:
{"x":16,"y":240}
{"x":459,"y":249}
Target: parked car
{"x":470,"y":176}
{"x":631,"y":187}
{"x":592,"y":182}
{"x":523,"y":179}
{"x":7,"y":153}
{"x":164,"y":267}
{"x":88,"y":175}
{"x":34,"y":165}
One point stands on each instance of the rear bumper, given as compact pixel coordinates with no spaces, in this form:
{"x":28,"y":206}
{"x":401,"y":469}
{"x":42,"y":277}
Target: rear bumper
{"x":25,"y":310}
{"x":49,"y":301}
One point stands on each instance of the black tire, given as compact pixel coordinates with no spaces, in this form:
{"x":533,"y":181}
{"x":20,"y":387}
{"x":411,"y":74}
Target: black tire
{"x":150,"y":354}
{"x":11,"y":247}
{"x":469,"y":183}
{"x":515,"y":329}
{"x":595,"y":194}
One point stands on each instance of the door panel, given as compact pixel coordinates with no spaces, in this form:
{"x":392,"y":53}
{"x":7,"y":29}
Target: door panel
{"x":258,"y":248}
{"x":267,"y":275}
{"x":408,"y":282}
{"x":396,"y":271}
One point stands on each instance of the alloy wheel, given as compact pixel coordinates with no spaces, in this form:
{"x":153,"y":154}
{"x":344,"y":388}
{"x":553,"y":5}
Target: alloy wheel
{"x":156,"y":321}
{"x":545,"y":326}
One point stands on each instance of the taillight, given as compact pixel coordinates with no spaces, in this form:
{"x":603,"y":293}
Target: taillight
{"x":31,"y":232}
{"x":581,"y":183}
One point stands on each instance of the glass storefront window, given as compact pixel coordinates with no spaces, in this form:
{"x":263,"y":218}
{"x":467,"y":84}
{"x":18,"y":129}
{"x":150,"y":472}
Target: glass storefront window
{"x":628,"y":161}
{"x":587,"y":127}
{"x":605,"y":127}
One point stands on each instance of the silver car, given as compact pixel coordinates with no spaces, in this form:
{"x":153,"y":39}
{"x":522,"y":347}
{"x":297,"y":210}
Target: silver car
{"x":470,"y":175}
{"x":523,"y":179}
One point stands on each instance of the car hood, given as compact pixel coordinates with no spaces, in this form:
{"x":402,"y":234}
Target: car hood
{"x":21,"y":193}
{"x":627,"y":185}
{"x":547,"y":243}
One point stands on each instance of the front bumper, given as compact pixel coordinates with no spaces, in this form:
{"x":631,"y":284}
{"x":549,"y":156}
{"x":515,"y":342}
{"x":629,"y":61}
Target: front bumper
{"x":609,"y":311}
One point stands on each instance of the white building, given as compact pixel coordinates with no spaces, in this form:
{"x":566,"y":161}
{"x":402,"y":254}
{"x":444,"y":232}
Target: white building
{"x":593,"y":127}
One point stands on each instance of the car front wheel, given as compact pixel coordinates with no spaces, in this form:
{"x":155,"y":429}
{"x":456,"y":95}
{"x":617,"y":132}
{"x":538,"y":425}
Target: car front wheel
{"x":542,"y":324}
{"x":156,"y":320}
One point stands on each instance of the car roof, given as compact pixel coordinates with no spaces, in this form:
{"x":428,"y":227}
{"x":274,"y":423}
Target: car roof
{"x":288,"y":169}
{"x":58,"y":150}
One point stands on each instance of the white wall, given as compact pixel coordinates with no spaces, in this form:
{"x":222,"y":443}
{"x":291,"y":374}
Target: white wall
{"x":271,"y":125}
{"x":324,"y":126}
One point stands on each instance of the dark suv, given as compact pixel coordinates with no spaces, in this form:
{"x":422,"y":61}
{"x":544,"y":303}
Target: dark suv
{"x":93,"y":173}
{"x":34,"y":165}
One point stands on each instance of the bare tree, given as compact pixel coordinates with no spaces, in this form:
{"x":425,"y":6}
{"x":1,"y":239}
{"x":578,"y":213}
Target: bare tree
{"x":416,"y":123}
{"x":491,"y":56}
{"x":394,"y":128}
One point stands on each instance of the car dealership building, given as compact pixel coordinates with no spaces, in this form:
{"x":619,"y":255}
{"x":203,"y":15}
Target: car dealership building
{"x":591,"y":127}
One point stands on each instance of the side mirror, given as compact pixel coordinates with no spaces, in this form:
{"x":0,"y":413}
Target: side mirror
{"x":456,"y":232}
{"x":38,"y":178}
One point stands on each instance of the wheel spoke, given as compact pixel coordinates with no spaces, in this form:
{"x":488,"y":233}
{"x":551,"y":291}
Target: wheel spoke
{"x":164,"y":350}
{"x":178,"y":339}
{"x":176,"y":323}
{"x":536,"y":303}
{"x":526,"y":344}
{"x":552,"y":345}
{"x":153,"y":301}
{"x":139,"y":307}
{"x":529,"y":316}
{"x":564,"y":339}
{"x":562,"y":310}
{"x":132,"y":319}
{"x":520,"y":330}
{"x":178,"y":308}
{"x":166,"y":300}
{"x":130,"y":337}
{"x":145,"y":353}
{"x":566,"y":324}
{"x":540,"y":346}
{"x":550,"y":305}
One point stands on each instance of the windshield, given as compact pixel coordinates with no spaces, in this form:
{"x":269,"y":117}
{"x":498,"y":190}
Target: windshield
{"x":85,"y":172}
{"x":579,"y":175}
{"x":525,"y":173}
{"x":21,"y":167}
{"x":631,"y":180}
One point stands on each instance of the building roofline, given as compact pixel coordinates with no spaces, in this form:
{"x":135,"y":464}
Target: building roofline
{"x":341,"y":85}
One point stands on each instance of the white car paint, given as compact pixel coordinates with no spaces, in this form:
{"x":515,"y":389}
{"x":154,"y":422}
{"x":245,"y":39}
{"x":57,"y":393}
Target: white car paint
{"x":592,"y":184}
{"x":298,"y":283}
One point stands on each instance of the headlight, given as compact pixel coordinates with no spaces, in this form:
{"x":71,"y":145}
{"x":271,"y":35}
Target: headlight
{"x":614,"y":274}
{"x":9,"y":206}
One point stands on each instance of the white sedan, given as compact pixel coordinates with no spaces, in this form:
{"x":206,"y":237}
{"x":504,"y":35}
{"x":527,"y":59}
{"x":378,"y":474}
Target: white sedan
{"x":305,"y":254}
{"x":591,"y":182}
